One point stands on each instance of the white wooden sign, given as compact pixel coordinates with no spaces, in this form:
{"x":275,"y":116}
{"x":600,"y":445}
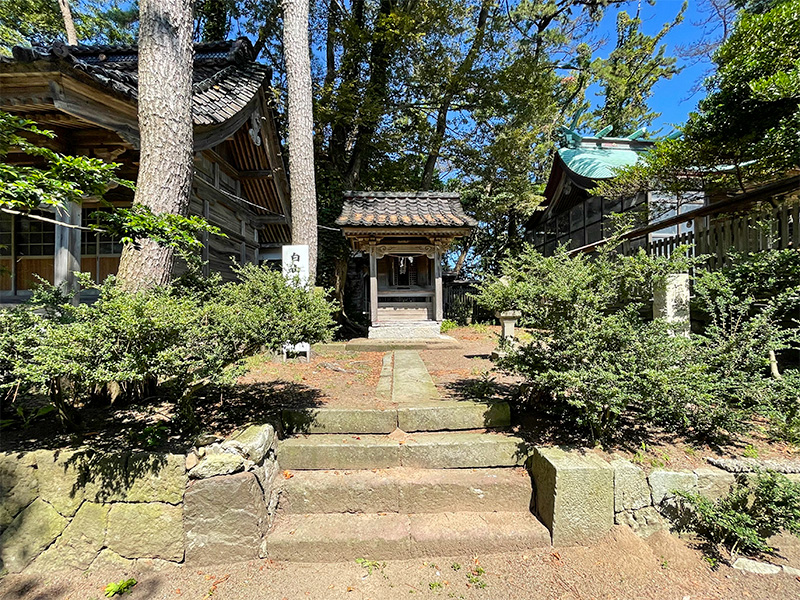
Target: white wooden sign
{"x":295,"y":262}
{"x":295,"y":265}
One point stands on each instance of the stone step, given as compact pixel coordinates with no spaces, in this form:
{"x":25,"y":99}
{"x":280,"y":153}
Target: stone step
{"x":345,"y":537}
{"x":419,"y":450}
{"x":404,"y":490}
{"x":443,"y":342}
{"x":438,"y":415}
{"x":443,"y":415}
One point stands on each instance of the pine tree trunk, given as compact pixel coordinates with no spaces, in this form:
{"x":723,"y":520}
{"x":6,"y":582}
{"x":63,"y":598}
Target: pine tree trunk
{"x":301,"y":124}
{"x":165,"y":127}
{"x":69,"y":24}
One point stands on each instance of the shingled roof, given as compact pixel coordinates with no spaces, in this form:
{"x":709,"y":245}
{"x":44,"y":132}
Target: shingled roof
{"x":403,"y":209}
{"x":225,"y":76}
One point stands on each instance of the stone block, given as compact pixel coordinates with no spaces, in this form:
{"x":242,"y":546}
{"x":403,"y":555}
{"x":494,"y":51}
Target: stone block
{"x":18,"y":484}
{"x":406,"y":331}
{"x":105,"y":477}
{"x":662,"y":484}
{"x":156,"y":478}
{"x":340,"y":492}
{"x":444,"y":415}
{"x":79,"y":545}
{"x":339,"y":537}
{"x":460,"y":533}
{"x":61,"y":479}
{"x":217,"y":464}
{"x":110,"y":561}
{"x":644,"y":521}
{"x":253,"y":441}
{"x":33,"y":530}
{"x":574,"y":494}
{"x":339,"y":420}
{"x":329,"y":451}
{"x":631,"y":491}
{"x":714,"y":483}
{"x":146,"y":530}
{"x":224,"y":517}
{"x":459,"y":450}
{"x":671,"y":303}
{"x":755,"y":566}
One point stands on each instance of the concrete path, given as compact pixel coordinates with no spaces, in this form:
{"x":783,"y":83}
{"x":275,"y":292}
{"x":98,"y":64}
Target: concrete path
{"x":411,"y":381}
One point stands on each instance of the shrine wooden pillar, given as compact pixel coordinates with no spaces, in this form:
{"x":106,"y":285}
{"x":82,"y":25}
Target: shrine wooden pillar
{"x":438,"y":301}
{"x":373,"y":284}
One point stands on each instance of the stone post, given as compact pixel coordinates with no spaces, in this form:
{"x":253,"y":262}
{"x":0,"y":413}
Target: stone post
{"x":671,"y":303}
{"x":508,"y":319}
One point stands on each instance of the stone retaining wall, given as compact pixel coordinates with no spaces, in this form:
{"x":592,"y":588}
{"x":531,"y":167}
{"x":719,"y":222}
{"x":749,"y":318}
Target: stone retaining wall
{"x":578,"y":495}
{"x":78,"y":509}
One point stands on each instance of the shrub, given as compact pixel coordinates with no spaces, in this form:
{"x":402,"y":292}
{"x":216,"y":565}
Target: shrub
{"x":161,"y":343}
{"x":596,"y":358}
{"x":755,"y":509}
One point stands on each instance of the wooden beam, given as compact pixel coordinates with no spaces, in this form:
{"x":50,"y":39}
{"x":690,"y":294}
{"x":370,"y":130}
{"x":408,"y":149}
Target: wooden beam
{"x":229,"y":169}
{"x":257,"y":174}
{"x":82,"y":104}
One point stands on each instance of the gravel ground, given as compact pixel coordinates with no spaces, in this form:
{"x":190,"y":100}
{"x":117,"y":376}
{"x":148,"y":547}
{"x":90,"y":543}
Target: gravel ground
{"x":621,"y":566}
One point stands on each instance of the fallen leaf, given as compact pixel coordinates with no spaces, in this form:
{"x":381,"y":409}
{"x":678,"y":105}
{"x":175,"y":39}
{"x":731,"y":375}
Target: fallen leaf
{"x":288,"y":474}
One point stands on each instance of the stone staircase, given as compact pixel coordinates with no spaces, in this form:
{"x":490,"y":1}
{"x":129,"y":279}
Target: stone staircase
{"x":422,"y":478}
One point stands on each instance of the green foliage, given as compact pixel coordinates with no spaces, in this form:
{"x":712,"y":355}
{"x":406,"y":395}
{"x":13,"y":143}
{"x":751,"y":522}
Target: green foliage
{"x":746,"y":128}
{"x":157,"y":343}
{"x":124,"y":586}
{"x":448,"y":325}
{"x":596,"y":359}
{"x":371,"y":565}
{"x":131,"y":225}
{"x":630,"y":72}
{"x":39,"y":22}
{"x":755,"y":509}
{"x":58,"y":181}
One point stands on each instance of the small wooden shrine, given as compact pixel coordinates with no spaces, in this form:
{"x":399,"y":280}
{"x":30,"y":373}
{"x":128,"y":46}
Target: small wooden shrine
{"x":405,"y":235}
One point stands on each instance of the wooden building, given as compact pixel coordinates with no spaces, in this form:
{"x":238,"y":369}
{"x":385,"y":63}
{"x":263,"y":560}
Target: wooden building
{"x":404,"y":234}
{"x":87,"y":95}
{"x":573,"y":215}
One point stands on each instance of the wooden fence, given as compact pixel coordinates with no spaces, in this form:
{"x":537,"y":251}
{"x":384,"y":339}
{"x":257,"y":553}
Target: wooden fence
{"x":719,"y":235}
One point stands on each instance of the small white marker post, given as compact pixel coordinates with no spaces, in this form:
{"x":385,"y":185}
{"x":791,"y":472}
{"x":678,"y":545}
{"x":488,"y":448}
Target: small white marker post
{"x":295,"y":268}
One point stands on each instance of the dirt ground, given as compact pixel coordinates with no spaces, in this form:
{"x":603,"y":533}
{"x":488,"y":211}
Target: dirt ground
{"x":619,"y":567}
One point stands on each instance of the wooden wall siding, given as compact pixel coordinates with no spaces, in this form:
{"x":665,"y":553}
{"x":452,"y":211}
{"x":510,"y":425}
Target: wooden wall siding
{"x":99,"y":267}
{"x":28,"y":267}
{"x":5,"y":274}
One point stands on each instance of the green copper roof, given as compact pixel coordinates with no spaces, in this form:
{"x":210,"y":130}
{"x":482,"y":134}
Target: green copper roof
{"x":597,"y":158}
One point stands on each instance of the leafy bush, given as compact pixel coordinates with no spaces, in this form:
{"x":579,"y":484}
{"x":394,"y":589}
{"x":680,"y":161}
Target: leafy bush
{"x":153,"y":344}
{"x":597,"y":359}
{"x":592,"y":356}
{"x":755,"y":509}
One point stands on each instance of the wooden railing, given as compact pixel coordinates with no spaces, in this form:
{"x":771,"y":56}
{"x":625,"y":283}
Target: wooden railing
{"x":718,"y":236}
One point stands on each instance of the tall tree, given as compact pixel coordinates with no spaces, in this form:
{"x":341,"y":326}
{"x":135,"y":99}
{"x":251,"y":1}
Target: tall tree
{"x":69,"y":24}
{"x":746,"y":129}
{"x":166,"y":134}
{"x":301,"y":128}
{"x":627,"y":77}
{"x":24,"y":22}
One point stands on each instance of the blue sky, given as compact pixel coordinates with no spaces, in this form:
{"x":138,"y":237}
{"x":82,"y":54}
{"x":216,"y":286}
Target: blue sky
{"x":673,"y":98}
